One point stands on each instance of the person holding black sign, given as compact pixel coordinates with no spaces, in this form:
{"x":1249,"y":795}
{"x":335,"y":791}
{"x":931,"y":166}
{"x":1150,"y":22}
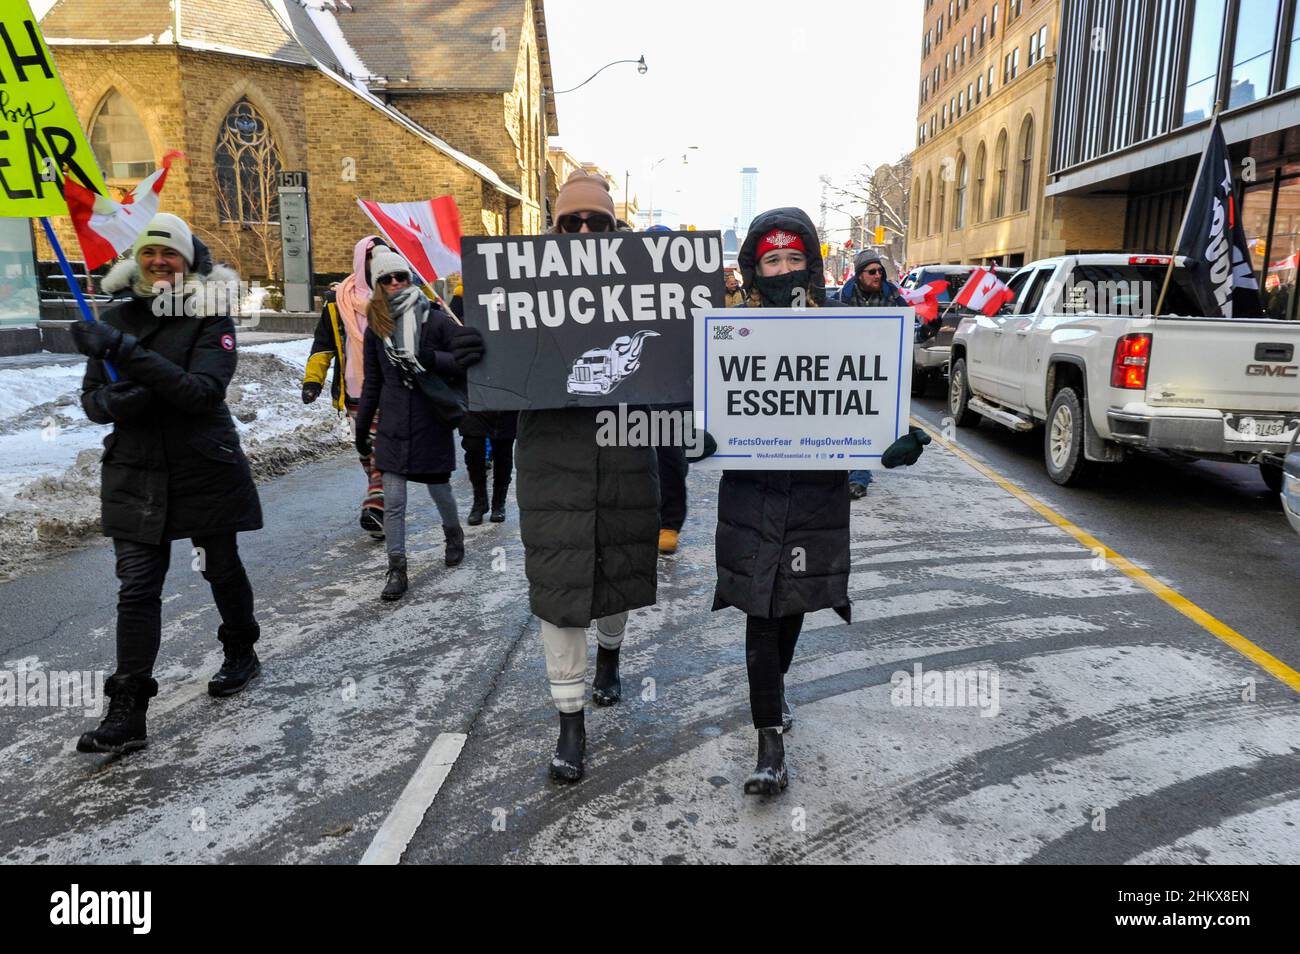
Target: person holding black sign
{"x":782,"y":545}
{"x":407,"y":335}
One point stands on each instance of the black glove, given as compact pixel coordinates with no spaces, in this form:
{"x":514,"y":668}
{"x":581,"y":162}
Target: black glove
{"x":708,"y":448}
{"x":907,"y":449}
{"x":124,"y":400}
{"x":95,"y":339}
{"x":467,"y":346}
{"x":362,"y":444}
{"x":310,"y":391}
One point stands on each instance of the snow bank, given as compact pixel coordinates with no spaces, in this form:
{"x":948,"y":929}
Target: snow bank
{"x":49,"y":451}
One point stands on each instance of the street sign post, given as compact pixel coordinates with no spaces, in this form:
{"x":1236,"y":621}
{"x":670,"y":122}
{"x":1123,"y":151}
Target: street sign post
{"x":295,"y":241}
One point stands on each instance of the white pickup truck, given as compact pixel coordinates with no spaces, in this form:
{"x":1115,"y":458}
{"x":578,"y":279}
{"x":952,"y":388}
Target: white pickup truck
{"x":1081,"y":352}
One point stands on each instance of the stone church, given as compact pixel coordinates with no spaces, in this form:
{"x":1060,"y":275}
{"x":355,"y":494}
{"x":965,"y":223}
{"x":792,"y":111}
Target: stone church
{"x":391,"y":100}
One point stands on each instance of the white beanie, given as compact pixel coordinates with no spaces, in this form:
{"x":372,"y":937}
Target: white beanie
{"x":384,"y":262}
{"x":169,"y":231}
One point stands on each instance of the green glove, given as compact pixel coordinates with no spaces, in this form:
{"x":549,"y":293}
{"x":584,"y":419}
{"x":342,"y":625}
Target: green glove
{"x":907,"y":449}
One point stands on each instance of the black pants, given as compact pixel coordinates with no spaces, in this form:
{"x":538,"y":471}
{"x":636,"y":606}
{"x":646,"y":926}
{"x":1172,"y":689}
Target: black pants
{"x":672,"y":487}
{"x":141,"y":570}
{"x":503,"y":462}
{"x":769,"y":648}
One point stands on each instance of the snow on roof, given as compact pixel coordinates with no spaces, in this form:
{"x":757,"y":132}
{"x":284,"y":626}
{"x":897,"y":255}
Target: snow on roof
{"x":321,"y":13}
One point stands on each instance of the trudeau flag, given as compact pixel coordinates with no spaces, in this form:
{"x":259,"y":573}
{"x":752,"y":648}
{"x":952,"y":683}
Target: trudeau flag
{"x":984,"y":292}
{"x":925,"y":299}
{"x":106,"y":228}
{"x":1213,"y":240}
{"x":426,"y":234}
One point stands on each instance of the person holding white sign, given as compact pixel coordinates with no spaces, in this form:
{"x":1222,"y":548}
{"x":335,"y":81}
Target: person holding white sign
{"x":782,"y":545}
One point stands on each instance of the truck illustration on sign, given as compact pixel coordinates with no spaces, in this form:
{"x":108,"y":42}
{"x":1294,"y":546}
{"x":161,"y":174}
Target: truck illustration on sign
{"x":600,"y":370}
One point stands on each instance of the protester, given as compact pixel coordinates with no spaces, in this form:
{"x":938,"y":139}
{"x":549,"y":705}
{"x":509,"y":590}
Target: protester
{"x":172,"y":466}
{"x":672,"y":491}
{"x":340,"y":337}
{"x":475,"y":431}
{"x":766,"y":516}
{"x":588,"y":518}
{"x":735,"y":292}
{"x":406,"y":336}
{"x":868,"y":287}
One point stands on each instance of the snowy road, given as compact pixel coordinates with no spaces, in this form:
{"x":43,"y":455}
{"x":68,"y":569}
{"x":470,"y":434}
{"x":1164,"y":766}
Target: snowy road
{"x":1120,"y":730}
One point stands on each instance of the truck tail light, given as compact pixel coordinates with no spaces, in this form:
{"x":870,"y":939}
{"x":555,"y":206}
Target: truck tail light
{"x":1148,"y":260}
{"x":1132,"y":358}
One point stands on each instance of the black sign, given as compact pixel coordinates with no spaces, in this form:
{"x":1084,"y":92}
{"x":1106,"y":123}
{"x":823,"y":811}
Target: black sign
{"x":587,"y":320}
{"x":293,"y":180}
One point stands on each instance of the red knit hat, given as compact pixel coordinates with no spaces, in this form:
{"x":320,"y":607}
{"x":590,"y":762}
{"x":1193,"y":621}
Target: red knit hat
{"x":779,"y":239}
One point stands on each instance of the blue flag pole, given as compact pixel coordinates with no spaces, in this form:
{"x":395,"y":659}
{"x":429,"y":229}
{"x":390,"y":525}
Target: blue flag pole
{"x":72,"y":283}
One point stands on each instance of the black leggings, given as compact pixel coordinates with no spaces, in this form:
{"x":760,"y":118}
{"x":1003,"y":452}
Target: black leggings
{"x":141,"y":570}
{"x":769,"y":648}
{"x":503,"y":462}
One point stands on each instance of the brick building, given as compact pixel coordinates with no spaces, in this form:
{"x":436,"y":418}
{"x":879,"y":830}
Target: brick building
{"x":385,"y":99}
{"x":983,"y":132}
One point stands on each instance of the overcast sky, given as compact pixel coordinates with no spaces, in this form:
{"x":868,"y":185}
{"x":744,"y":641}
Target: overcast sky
{"x":795,"y":87}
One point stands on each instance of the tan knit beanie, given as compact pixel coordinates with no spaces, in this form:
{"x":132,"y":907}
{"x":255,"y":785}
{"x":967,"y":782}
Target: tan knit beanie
{"x":583,"y":192}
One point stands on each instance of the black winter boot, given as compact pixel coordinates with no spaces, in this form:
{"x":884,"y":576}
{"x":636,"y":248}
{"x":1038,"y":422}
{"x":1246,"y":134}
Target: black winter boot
{"x":480,"y":505}
{"x":395,"y":585}
{"x":769,"y":777}
{"x":455,"y":545}
{"x":122,"y":729}
{"x":241,"y":664}
{"x":372,"y":521}
{"x":606,"y":688}
{"x":571,"y":749}
{"x":499,"y":502}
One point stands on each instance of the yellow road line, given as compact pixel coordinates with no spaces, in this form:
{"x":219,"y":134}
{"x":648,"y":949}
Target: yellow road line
{"x":1215,"y":627}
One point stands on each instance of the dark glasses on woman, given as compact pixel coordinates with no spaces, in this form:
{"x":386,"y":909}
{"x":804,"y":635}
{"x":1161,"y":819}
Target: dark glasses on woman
{"x":596,"y":222}
{"x":395,"y":278}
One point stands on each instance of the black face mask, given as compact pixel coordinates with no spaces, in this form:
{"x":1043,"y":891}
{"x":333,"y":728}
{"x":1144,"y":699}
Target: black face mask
{"x":778,"y":291}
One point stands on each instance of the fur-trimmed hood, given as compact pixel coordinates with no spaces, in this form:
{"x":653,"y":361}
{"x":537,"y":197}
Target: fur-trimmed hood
{"x":206,"y":288}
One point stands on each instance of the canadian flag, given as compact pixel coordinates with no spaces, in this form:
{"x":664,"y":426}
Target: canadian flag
{"x":984,"y":292}
{"x":426,"y":234}
{"x":925,"y":299}
{"x":106,"y":228}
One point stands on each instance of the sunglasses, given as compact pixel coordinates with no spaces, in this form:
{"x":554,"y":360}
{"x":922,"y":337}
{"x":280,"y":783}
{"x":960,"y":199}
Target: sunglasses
{"x":395,"y":278}
{"x":875,"y":271}
{"x":595,"y":223}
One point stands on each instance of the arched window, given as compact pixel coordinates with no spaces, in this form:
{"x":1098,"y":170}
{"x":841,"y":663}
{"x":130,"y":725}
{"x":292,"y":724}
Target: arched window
{"x":1026,"y":162}
{"x":977,"y":203}
{"x":247,"y":168}
{"x":929,"y":204}
{"x":916,"y":209}
{"x":938,"y":206}
{"x":1000,"y":176}
{"x":119,"y":141}
{"x":959,"y":194}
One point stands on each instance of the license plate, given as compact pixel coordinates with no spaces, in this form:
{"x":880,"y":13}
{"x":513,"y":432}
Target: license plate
{"x":1252,"y":427}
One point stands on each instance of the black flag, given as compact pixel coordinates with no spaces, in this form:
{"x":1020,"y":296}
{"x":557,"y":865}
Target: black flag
{"x":1213,"y":240}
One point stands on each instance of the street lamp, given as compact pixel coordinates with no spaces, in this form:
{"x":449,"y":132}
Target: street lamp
{"x":546,"y":205}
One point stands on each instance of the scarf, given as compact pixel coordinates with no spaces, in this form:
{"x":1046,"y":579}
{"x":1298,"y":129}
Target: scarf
{"x":402,"y":347}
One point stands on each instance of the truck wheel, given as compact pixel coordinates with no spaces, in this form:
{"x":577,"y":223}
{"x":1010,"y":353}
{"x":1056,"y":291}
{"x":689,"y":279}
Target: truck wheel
{"x":1272,"y":475}
{"x":1063,"y":441}
{"x":959,"y":396}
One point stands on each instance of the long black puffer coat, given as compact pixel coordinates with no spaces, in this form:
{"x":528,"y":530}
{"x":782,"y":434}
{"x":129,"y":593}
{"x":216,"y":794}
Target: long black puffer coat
{"x":412,"y":440}
{"x":175,"y":469}
{"x":588,"y":518}
{"x":782,"y":544}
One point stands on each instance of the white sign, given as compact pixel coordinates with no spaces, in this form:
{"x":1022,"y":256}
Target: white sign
{"x":802,"y":388}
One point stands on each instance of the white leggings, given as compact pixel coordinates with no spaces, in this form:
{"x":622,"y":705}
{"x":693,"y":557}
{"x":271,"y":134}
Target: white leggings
{"x":566,"y":657}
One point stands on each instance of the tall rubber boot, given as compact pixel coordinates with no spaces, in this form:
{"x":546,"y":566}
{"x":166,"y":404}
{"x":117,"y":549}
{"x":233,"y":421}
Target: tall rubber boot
{"x":571,"y":748}
{"x":769,"y":776}
{"x":606,"y":687}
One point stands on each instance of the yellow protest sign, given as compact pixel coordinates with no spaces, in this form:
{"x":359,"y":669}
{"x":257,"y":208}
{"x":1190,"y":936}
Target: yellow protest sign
{"x":39,"y":132}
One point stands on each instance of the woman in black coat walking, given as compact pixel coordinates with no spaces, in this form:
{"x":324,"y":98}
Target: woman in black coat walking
{"x":172,"y":467}
{"x":407,"y":335}
{"x":782,"y":544}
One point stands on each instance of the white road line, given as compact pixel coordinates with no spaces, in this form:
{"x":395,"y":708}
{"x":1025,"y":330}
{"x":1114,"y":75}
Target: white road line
{"x":400,"y":825}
